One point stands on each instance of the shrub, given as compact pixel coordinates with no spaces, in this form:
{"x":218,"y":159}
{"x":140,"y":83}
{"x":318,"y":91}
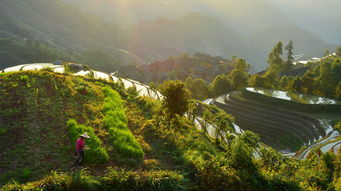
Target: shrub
{"x":54,"y":181}
{"x":3,"y":130}
{"x":214,"y":175}
{"x":47,"y":69}
{"x":145,"y":180}
{"x":338,"y":184}
{"x":97,"y":154}
{"x":338,"y":126}
{"x":77,"y":181}
{"x":26,"y":174}
{"x":116,"y":122}
{"x":14,"y":186}
{"x":18,"y":174}
{"x":81,"y":181}
{"x":148,"y":105}
{"x":151,"y":164}
{"x":177,"y":97}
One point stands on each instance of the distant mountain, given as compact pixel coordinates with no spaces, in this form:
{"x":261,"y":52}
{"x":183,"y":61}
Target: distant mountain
{"x":323,"y":18}
{"x":61,"y":26}
{"x":138,"y":32}
{"x":305,"y":42}
{"x":251,"y":27}
{"x":191,"y":33}
{"x":245,"y":14}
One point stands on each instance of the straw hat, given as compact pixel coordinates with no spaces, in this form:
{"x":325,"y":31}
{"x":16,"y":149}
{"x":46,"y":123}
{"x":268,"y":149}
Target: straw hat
{"x":85,"y":135}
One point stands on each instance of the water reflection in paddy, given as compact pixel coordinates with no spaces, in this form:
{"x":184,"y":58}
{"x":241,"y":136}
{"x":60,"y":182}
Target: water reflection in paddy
{"x":301,"y":98}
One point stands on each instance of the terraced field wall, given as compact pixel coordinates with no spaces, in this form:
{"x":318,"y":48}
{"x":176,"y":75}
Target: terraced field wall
{"x":292,"y":105}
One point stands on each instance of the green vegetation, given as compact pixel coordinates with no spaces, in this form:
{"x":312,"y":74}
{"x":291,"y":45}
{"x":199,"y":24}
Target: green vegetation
{"x":290,"y":57}
{"x":198,"y":88}
{"x":321,"y":78}
{"x":198,"y":65}
{"x":236,"y":78}
{"x":338,"y":51}
{"x":36,"y":107}
{"x":176,"y":98}
{"x":275,"y":56}
{"x":119,"y":180}
{"x":145,"y":180}
{"x":116,"y":122}
{"x":96,"y":154}
{"x":173,"y":154}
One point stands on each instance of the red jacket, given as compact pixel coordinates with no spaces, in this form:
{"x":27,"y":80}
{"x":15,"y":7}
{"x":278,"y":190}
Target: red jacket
{"x":80,"y":143}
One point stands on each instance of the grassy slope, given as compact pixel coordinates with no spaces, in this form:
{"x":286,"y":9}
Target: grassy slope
{"x":35,"y":137}
{"x":35,"y":108}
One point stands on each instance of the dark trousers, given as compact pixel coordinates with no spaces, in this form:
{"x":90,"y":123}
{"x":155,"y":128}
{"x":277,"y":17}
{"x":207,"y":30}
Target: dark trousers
{"x":80,"y":157}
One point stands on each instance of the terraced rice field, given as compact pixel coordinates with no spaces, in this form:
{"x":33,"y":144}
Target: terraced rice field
{"x":282,"y":128}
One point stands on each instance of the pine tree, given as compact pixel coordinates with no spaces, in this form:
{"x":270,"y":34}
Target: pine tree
{"x":290,"y":58}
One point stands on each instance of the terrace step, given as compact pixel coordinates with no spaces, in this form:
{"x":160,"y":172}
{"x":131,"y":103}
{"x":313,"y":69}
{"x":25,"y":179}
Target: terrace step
{"x":264,"y":128}
{"x":287,"y":122}
{"x":277,"y":127}
{"x":265,"y":135}
{"x":237,"y":96}
{"x":295,"y":116}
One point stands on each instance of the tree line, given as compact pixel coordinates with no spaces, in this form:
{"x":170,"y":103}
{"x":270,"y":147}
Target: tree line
{"x":321,"y":78}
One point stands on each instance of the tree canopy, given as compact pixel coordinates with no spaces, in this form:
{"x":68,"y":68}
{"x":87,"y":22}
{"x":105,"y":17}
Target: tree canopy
{"x":176,"y":97}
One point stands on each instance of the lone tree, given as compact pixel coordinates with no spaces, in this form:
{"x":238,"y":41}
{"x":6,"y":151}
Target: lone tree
{"x":220,"y":85}
{"x":176,"y":97}
{"x":275,"y":56}
{"x":239,"y":75}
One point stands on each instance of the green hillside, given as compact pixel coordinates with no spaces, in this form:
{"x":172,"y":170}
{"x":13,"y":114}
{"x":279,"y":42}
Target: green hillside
{"x":134,"y":145}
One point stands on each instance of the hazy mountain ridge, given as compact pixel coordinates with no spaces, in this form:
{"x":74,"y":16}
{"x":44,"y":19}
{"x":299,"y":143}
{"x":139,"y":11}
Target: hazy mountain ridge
{"x":191,"y":33}
{"x":245,"y":21}
{"x":315,"y":16}
{"x":226,"y":31}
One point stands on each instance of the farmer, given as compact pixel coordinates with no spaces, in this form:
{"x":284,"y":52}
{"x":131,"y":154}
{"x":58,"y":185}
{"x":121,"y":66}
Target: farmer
{"x":80,"y":144}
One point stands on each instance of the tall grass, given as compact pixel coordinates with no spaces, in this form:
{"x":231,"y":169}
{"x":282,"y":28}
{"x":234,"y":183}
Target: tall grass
{"x":96,"y":154}
{"x":113,"y":180}
{"x":143,"y":180}
{"x":81,"y":181}
{"x":116,"y":122}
